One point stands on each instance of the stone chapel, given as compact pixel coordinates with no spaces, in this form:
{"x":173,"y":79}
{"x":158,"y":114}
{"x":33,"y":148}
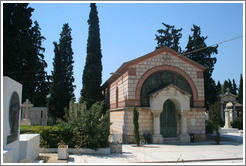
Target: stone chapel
{"x":168,"y":92}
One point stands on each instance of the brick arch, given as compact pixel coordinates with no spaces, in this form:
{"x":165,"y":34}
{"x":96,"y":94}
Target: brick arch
{"x":162,"y":68}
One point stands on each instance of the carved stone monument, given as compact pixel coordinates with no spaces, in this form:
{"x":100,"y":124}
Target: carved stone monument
{"x":228,"y":111}
{"x":26,"y":106}
{"x":12,"y":94}
{"x":16,"y":147}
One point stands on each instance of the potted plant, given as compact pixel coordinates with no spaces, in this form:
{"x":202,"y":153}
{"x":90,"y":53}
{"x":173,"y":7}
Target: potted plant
{"x":62,"y":151}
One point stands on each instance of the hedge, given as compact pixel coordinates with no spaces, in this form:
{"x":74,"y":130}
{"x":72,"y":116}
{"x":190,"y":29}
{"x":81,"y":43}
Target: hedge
{"x":50,"y":136}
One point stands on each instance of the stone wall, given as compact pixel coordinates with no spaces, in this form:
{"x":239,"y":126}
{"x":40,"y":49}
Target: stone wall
{"x":197,"y":115}
{"x":130,"y":88}
{"x":122,"y":122}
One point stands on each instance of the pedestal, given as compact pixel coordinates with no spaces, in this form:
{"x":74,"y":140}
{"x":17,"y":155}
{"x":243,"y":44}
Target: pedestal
{"x":157,"y":139}
{"x":26,"y":122}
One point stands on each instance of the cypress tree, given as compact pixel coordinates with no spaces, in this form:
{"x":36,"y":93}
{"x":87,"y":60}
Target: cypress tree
{"x":169,"y":37}
{"x":240,"y":90}
{"x":41,"y":90}
{"x":230,"y":85}
{"x":234,"y":87}
{"x":92,"y":74}
{"x":136,"y":126}
{"x":225,"y":86}
{"x":23,"y":58}
{"x":62,"y":88}
{"x":196,"y":41}
{"x":219,"y":88}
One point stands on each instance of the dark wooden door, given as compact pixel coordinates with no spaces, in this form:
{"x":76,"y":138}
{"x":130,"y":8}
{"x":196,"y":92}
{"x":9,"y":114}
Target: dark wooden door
{"x":168,"y":123}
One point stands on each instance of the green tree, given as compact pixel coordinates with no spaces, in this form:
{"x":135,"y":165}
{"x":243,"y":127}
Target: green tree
{"x":136,"y":126}
{"x":87,"y":128}
{"x":41,"y":90}
{"x":225,"y":86}
{"x":230,"y":85}
{"x":240,"y":90}
{"x":92,"y":74}
{"x":204,"y":57}
{"x":169,"y":37}
{"x":62,"y":88}
{"x":219,"y":88}
{"x":23,"y":58}
{"x":234,"y":87}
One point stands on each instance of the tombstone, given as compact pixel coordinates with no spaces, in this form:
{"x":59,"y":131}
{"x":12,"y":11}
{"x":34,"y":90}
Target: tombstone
{"x":25,"y":107}
{"x":228,"y":112}
{"x":16,"y":147}
{"x":38,"y":116}
{"x":225,"y":98}
{"x":12,"y":94}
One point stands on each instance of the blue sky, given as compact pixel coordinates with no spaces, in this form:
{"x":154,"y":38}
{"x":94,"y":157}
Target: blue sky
{"x":128,"y":31}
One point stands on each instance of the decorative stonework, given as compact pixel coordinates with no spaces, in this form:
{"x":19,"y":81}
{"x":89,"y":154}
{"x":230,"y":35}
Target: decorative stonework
{"x":190,"y":112}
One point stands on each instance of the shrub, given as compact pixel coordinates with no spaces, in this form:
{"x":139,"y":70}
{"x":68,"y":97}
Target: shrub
{"x":136,"y":126}
{"x":209,"y":126}
{"x":237,"y":124}
{"x":87,"y":128}
{"x":50,"y":136}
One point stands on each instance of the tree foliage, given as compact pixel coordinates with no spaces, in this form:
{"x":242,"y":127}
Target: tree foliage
{"x":204,"y":57}
{"x":169,"y":37}
{"x":136,"y":126}
{"x":92,"y":74}
{"x":240,"y":90}
{"x":218,"y":88}
{"x":23,"y":58}
{"x":88,"y":128}
{"x":62,"y":88}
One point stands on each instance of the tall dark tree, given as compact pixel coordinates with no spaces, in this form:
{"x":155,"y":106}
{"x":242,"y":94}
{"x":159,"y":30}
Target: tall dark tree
{"x":169,"y":37}
{"x":240,"y":90}
{"x":230,"y":85}
{"x":234,"y":87}
{"x":219,"y":88}
{"x":225,"y":86}
{"x":62,"y":88}
{"x":41,"y":90}
{"x":92,"y":74}
{"x":22,"y":52}
{"x":204,"y":57}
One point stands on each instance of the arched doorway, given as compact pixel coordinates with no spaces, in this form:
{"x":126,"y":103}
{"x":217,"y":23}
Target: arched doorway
{"x":168,"y":124}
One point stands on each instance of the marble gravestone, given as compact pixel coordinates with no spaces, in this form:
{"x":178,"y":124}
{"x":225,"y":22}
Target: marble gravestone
{"x":12,"y":94}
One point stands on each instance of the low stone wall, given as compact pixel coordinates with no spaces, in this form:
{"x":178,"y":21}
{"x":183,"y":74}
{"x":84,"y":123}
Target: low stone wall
{"x":77,"y":151}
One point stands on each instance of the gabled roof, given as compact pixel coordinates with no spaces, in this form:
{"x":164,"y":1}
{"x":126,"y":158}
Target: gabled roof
{"x":169,"y":87}
{"x":124,"y":67}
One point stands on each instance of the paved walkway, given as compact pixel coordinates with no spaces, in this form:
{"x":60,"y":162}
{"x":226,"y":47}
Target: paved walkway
{"x":226,"y":152}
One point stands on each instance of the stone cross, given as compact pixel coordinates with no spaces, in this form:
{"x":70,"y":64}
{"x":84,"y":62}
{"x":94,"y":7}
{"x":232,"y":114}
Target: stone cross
{"x":26,"y":105}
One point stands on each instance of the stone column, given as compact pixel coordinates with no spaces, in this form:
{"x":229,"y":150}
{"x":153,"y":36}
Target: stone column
{"x":184,"y":136}
{"x":227,"y":118}
{"x":221,"y":112}
{"x":157,"y":137}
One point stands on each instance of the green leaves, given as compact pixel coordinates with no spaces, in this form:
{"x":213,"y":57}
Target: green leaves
{"x":62,"y":88}
{"x":92,"y":74}
{"x":136,"y":126}
{"x":89,"y":127}
{"x":169,"y":37}
{"x":23,"y":58}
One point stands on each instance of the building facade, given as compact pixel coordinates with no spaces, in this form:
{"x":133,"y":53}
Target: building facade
{"x":168,"y":92}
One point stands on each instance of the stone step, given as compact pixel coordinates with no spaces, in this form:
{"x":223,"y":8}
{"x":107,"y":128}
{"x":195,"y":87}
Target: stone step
{"x":228,"y":130}
{"x":170,"y":140}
